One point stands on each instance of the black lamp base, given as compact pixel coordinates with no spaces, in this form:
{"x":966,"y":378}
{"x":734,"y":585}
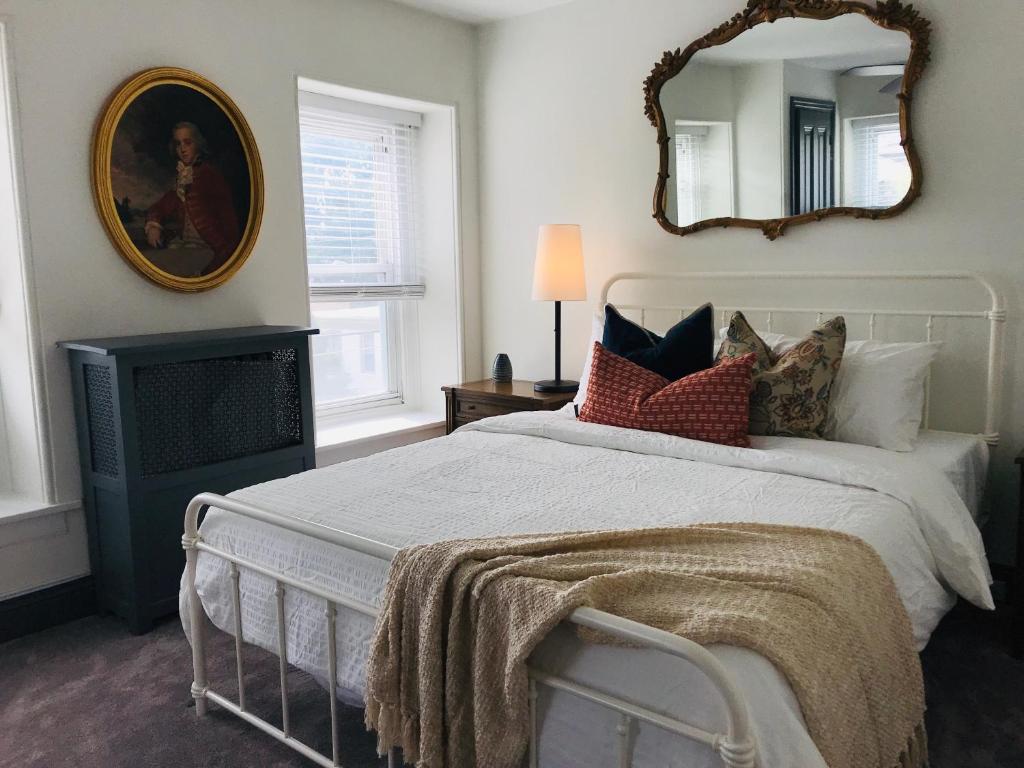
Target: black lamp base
{"x":556,"y":385}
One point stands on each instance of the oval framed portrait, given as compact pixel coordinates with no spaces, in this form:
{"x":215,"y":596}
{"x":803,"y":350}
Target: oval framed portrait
{"x":177,"y":179}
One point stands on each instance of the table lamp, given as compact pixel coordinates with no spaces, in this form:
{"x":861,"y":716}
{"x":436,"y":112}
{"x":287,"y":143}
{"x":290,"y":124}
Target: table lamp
{"x":558,"y":277}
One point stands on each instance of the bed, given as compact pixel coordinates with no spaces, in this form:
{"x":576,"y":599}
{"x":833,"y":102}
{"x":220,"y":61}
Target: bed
{"x":287,"y":564}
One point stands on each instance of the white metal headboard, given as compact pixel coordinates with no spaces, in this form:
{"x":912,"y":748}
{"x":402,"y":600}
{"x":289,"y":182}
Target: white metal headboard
{"x":995,"y":313}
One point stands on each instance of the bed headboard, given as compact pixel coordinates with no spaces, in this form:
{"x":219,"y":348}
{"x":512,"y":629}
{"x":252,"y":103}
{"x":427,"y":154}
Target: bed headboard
{"x":884,"y":305}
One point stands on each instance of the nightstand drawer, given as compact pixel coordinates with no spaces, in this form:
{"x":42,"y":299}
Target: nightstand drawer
{"x":461,"y":423}
{"x":472,"y":410}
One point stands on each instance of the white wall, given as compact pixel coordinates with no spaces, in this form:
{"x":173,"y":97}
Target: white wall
{"x":807,"y":82}
{"x":862,"y":97}
{"x":718,"y":183}
{"x":545,"y":75}
{"x":703,"y":92}
{"x":759,"y":139}
{"x":69,"y":56}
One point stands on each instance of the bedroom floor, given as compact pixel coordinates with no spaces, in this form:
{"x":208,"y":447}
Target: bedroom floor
{"x":91,"y":695}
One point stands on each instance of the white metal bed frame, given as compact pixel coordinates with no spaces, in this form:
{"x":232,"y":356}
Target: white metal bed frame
{"x":735,"y":745}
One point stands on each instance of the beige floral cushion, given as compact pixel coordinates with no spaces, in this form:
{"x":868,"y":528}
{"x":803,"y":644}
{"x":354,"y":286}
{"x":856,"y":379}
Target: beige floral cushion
{"x":791,"y":392}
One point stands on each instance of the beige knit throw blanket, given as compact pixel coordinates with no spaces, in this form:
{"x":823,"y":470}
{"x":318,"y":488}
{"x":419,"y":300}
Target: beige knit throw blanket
{"x":447,"y":679}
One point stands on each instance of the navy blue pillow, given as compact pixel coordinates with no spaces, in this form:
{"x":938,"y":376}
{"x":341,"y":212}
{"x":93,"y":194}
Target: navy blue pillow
{"x":685,"y":349}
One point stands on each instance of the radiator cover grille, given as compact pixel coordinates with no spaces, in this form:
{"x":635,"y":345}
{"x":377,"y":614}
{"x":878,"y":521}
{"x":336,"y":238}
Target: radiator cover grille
{"x":200,"y":412}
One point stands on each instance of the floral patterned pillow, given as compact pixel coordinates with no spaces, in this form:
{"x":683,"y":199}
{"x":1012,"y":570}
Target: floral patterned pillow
{"x":791,"y":391}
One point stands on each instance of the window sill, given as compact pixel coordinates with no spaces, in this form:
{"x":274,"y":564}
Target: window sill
{"x":24,"y":519}
{"x":14,"y":508}
{"x":341,"y":439}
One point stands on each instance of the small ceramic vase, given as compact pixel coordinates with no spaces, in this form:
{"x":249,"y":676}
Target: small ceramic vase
{"x":501,"y":370}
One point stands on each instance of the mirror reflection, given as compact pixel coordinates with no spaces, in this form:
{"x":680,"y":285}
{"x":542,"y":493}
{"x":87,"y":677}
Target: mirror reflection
{"x":788,"y":118}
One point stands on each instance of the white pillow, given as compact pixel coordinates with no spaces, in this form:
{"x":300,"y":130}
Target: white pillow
{"x":596,"y":334}
{"x":878,"y":395}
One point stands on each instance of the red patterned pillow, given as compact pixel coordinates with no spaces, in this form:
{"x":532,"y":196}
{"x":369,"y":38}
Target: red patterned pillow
{"x":711,"y":405}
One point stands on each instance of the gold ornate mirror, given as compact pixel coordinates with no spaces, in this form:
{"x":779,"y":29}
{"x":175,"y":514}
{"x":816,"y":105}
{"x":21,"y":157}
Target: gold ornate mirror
{"x":792,"y":111}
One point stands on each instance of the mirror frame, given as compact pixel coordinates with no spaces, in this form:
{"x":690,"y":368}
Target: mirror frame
{"x":889,"y":14}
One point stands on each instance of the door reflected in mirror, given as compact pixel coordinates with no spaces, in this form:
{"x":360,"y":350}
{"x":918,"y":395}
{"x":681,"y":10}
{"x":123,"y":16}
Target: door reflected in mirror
{"x":788,"y":118}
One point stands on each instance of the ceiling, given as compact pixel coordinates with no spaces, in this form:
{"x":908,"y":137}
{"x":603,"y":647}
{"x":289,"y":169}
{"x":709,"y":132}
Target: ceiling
{"x":482,"y":11}
{"x":838,"y":44}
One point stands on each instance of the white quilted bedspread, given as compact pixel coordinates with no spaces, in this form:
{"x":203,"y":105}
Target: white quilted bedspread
{"x":535,"y":472}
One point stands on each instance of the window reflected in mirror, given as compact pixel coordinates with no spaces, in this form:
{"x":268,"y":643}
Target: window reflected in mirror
{"x":704,"y":177}
{"x":876,"y":168}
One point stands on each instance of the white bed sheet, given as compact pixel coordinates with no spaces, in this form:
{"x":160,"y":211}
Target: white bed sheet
{"x":548,"y":472}
{"x":962,"y":459}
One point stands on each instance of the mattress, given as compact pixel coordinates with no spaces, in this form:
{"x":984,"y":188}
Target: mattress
{"x":535,"y":472}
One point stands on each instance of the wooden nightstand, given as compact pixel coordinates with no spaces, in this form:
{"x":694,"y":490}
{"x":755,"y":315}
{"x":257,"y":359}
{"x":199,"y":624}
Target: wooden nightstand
{"x":1017,"y":588}
{"x":475,"y":400}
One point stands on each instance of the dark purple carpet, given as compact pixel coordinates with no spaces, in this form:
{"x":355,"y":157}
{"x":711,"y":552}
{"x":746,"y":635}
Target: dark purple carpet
{"x":90,"y":695}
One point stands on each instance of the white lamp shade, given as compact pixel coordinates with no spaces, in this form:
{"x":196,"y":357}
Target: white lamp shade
{"x":558,"y":268}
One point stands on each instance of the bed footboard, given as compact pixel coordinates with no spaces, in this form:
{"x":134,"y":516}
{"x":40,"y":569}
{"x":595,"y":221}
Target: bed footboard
{"x":735,"y":747}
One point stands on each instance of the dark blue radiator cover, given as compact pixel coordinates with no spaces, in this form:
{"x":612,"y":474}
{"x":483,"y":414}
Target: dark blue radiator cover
{"x":163,"y":417}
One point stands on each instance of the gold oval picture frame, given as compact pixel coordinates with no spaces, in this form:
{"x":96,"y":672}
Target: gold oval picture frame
{"x":177,"y":179}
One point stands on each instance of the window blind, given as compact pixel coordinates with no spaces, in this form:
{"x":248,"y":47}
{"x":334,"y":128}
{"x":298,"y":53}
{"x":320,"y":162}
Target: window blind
{"x":880,"y":172}
{"x":689,"y":143}
{"x":358,"y":186}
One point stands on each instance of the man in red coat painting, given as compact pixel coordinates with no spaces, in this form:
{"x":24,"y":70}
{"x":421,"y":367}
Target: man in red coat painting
{"x":198,"y":213}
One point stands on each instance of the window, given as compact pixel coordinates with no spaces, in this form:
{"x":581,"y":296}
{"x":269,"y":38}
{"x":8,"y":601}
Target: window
{"x":369,"y":351}
{"x":703,"y":173}
{"x":358,"y":186}
{"x":688,"y":144}
{"x":878,"y":171}
{"x":25,"y":469}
